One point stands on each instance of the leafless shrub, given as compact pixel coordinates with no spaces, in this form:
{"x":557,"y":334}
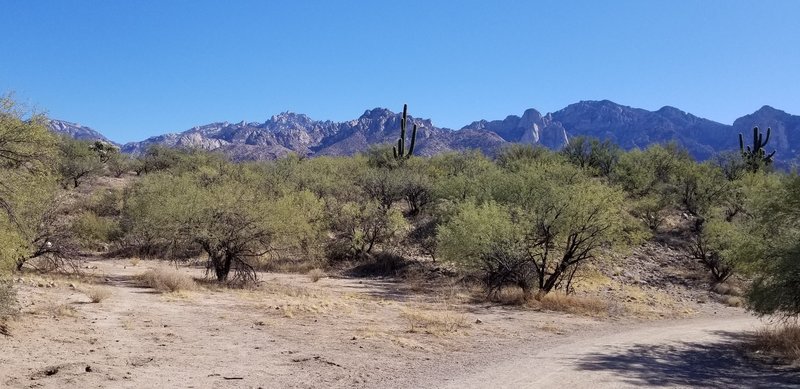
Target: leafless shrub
{"x":8,"y":305}
{"x":782,"y":341}
{"x":511,"y":296}
{"x":316,"y":274}
{"x":167,"y":279}
{"x":97,"y":293}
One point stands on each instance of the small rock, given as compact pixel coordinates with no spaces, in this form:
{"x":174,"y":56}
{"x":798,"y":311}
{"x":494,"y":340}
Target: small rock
{"x":88,"y":369}
{"x":478,"y":321}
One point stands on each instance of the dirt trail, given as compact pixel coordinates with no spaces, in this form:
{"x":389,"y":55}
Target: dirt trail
{"x":345,"y":333}
{"x":682,"y":353}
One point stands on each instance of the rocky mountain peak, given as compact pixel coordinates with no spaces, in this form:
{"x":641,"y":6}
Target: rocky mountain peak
{"x":377,"y":113}
{"x":767,"y":110}
{"x":76,"y":131}
{"x":290,"y":118}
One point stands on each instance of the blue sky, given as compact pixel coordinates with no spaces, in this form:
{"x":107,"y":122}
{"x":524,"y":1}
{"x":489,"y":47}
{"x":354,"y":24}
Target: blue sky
{"x":134,"y":69}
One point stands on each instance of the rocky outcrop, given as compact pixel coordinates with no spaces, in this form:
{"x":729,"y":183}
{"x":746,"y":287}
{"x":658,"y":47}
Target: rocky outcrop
{"x":76,"y":131}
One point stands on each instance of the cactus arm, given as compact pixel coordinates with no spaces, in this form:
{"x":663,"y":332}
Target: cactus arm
{"x":755,"y":138}
{"x":413,"y":140}
{"x":741,"y":142}
{"x":769,"y":130}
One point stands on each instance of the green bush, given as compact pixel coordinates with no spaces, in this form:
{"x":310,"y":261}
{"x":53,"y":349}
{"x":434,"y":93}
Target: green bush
{"x":107,"y":203}
{"x":95,"y":231}
{"x":8,"y":300}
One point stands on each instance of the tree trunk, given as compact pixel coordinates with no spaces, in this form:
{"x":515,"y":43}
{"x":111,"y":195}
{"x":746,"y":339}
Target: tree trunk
{"x":222,"y":267}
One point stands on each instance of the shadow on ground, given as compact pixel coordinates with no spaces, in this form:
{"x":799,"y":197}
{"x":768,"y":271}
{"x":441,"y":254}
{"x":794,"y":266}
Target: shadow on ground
{"x":722,"y":364}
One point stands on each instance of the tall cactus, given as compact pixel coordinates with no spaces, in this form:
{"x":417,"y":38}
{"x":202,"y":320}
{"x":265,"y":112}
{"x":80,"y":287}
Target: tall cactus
{"x":757,"y":155}
{"x":400,"y":152}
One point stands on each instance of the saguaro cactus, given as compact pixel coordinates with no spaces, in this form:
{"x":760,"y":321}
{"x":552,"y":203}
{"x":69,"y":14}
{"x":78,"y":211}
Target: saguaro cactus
{"x":756,"y":155}
{"x":400,"y":152}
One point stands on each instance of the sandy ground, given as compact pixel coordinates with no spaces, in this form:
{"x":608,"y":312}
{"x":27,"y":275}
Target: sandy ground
{"x":295,"y":333}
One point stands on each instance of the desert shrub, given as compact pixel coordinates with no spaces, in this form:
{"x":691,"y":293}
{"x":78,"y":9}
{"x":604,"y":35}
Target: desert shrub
{"x":655,"y":169}
{"x":79,"y":161}
{"x":297,"y":224}
{"x":97,"y":294}
{"x":547,"y":220}
{"x":8,"y":299}
{"x":94,"y":231}
{"x":382,"y":264}
{"x":486,"y":238}
{"x":360,"y":227}
{"x":765,"y":243}
{"x":167,"y":279}
{"x":316,"y":274}
{"x":701,"y":187}
{"x":573,"y":304}
{"x":107,"y":203}
{"x":516,"y":156}
{"x":731,"y":163}
{"x":782,"y":340}
{"x":226,"y":214}
{"x":118,"y":164}
{"x":511,"y":295}
{"x":416,"y":187}
{"x":458,"y":177}
{"x":33,"y":228}
{"x":158,"y":158}
{"x":565,"y":218}
{"x":651,"y":210}
{"x":28,"y":183}
{"x":384,"y":186}
{"x":599,"y":157}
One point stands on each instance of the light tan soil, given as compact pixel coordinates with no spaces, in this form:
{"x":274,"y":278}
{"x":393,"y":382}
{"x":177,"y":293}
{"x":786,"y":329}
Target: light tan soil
{"x":290,"y":332}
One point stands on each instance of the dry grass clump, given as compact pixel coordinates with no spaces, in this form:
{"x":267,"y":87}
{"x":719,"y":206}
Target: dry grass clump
{"x":573,"y":304}
{"x":511,"y":296}
{"x":135,"y":261}
{"x":286,"y":265}
{"x":97,"y":294}
{"x":316,"y":274}
{"x":291,"y":300}
{"x":782,"y":341}
{"x":8,"y":299}
{"x":434,"y":322}
{"x":57,"y":310}
{"x":728,"y":290}
{"x":291,"y":291}
{"x":734,"y":301}
{"x":7,"y":304}
{"x":166,"y":279}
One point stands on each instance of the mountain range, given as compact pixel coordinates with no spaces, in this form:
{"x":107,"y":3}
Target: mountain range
{"x":626,"y":126}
